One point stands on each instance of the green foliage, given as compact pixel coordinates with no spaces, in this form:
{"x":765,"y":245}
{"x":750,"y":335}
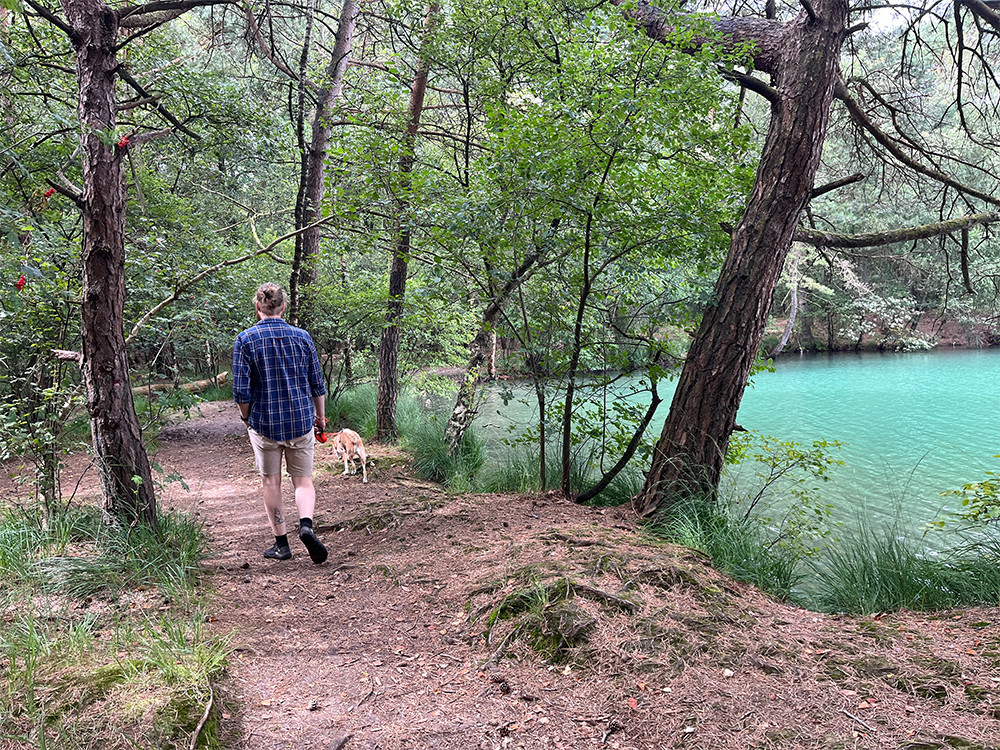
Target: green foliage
{"x":433,"y":460}
{"x":777,"y":482}
{"x":115,"y":558}
{"x":980,"y":500}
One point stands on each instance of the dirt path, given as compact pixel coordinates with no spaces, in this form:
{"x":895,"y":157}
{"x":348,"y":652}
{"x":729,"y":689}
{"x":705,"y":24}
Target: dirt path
{"x":386,"y":645}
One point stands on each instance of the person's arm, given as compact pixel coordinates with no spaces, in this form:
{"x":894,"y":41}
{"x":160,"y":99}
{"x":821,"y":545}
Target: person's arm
{"x":317,"y":385}
{"x":241,"y":379}
{"x":319,"y":403}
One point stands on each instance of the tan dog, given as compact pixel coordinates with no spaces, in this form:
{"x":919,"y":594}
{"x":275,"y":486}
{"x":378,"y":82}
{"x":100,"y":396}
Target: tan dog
{"x":347,"y":444}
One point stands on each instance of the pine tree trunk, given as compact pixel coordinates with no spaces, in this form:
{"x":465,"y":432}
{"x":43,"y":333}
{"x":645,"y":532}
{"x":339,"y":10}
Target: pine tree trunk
{"x":689,"y":456}
{"x":126,"y":480}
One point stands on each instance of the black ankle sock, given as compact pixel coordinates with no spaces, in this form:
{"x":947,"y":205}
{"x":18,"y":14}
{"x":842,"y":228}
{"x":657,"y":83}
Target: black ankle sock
{"x":305,"y":523}
{"x":281,"y":541}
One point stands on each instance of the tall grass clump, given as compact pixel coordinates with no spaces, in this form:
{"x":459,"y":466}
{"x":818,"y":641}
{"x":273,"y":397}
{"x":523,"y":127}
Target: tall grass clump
{"x":432,"y":459}
{"x":880,"y":570}
{"x":354,"y":409}
{"x":739,"y":546}
{"x":516,"y":472}
{"x":118,"y":558}
{"x":89,"y":654}
{"x":625,"y":486}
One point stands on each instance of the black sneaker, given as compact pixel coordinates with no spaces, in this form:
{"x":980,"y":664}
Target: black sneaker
{"x":278,"y":552}
{"x":317,"y":552}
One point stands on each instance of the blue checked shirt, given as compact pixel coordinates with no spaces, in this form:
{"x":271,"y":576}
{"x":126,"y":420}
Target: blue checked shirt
{"x":276,"y":370}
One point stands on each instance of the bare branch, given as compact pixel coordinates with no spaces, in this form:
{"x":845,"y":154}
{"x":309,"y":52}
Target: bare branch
{"x":819,"y":238}
{"x":264,"y":47}
{"x":765,"y":36}
{"x":181,"y":288}
{"x":964,"y":259}
{"x":862,"y":119}
{"x":810,"y":11}
{"x":837,"y":184}
{"x":155,"y":13}
{"x":163,"y":111}
{"x":983,"y":11}
{"x":751,"y":84}
{"x":51,"y":17}
{"x":152,"y":135}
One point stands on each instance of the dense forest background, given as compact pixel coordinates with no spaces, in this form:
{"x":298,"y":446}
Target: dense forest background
{"x":554,"y":192}
{"x":532,"y":190}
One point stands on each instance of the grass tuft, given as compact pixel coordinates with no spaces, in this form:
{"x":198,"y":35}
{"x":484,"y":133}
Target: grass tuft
{"x":885,"y":570}
{"x":105,"y":674}
{"x":432,"y":460}
{"x":354,"y":409}
{"x":737,"y":546}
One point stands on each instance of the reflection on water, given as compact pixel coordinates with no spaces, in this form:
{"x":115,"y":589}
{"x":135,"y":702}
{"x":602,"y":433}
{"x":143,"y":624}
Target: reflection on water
{"x":913,"y":424}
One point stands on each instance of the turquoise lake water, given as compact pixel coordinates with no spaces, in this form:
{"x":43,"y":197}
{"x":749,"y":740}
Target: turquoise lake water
{"x":913,"y":424}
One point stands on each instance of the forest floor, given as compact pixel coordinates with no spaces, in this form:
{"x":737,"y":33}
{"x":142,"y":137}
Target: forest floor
{"x":394,"y":643}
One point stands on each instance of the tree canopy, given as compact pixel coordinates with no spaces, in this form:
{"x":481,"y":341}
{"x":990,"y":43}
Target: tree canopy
{"x":576,"y":179}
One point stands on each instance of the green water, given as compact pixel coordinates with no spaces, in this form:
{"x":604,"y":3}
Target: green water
{"x":914,"y":424}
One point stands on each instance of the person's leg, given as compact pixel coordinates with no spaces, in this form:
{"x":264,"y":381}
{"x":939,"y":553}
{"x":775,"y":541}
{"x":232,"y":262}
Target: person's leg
{"x":267,"y":456}
{"x":272,"y":503}
{"x":299,"y":457}
{"x":305,"y":496}
{"x":305,"y":501}
{"x":275,"y":517}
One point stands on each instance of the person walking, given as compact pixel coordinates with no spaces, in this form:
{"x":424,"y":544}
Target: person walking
{"x":278,"y":386}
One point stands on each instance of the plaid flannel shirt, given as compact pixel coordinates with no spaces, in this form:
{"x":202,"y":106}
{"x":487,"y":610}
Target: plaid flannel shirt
{"x":276,"y":370}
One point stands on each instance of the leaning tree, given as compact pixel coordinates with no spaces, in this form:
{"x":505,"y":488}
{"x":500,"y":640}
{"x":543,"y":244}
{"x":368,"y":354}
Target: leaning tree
{"x":807,"y":59}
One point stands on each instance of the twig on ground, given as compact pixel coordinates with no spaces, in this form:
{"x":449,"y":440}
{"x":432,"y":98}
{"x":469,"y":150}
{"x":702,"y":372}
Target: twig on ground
{"x":204,"y":718}
{"x":502,"y":648}
{"x":863,"y":723}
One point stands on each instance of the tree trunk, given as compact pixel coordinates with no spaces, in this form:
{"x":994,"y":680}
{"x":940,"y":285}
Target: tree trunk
{"x":689,"y":456}
{"x":481,"y":350}
{"x":388,"y":352}
{"x":491,"y":365}
{"x":793,"y":309}
{"x":307,"y":247}
{"x":126,"y":480}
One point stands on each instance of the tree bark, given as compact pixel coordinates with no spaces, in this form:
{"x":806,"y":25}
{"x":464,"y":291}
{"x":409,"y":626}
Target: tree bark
{"x":689,"y":455}
{"x":388,"y":352}
{"x":126,"y":480}
{"x":307,"y":250}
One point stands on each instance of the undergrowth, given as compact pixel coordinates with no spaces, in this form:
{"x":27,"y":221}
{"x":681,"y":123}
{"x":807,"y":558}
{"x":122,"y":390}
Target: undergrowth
{"x":878,"y":570}
{"x":101,"y":633}
{"x":736,"y":545}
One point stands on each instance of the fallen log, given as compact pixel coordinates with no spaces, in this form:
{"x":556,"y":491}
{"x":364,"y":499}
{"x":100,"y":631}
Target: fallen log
{"x":195,"y":386}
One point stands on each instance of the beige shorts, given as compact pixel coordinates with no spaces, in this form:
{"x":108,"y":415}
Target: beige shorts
{"x":298,"y":454}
